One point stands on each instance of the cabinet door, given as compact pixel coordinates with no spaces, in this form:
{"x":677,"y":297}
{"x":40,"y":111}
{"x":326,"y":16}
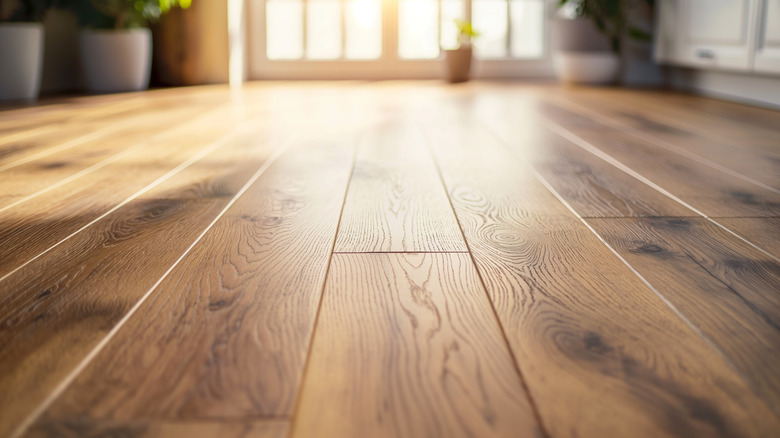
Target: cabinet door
{"x":717,"y":33}
{"x":768,"y":46}
{"x":668,"y":25}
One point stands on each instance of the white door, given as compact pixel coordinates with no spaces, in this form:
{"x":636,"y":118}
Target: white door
{"x":340,"y":39}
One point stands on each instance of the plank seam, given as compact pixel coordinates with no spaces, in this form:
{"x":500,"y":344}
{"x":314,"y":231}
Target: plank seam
{"x":589,"y":147}
{"x":400,"y":252}
{"x":60,"y":388}
{"x":515,"y":362}
{"x":315,"y":324}
{"x":664,"y":144}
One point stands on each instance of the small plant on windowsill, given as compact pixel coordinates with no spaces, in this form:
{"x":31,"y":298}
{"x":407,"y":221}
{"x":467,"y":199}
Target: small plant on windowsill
{"x":459,"y":59}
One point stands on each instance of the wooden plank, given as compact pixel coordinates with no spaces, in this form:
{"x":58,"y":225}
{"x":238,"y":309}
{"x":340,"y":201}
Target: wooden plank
{"x":757,"y":165}
{"x":31,"y":228}
{"x":158,"y":429}
{"x":710,"y":191}
{"x":24,"y":182}
{"x":723,"y":286}
{"x":764,"y":232}
{"x":225,"y":335}
{"x":45,"y":138}
{"x":703,"y":121}
{"x":396,"y":201}
{"x":57,"y":308}
{"x":591,"y":340}
{"x":592,"y":186}
{"x":407,"y":346}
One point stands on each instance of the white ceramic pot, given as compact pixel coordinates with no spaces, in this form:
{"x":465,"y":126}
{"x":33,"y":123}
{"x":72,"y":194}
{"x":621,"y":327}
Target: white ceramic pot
{"x":116,"y":60}
{"x":21,"y":58}
{"x":596,"y":68}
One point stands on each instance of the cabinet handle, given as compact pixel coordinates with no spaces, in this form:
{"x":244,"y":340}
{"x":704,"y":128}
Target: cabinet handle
{"x":705,"y":54}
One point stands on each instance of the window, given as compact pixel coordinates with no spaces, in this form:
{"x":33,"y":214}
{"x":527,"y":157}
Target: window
{"x":398,"y":35}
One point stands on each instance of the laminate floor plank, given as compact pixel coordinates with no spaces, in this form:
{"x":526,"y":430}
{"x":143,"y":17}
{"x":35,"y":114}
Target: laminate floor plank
{"x":45,"y":139}
{"x":764,"y":232}
{"x":396,"y":201}
{"x":31,"y":228}
{"x":65,"y":112}
{"x":759,"y":165}
{"x":157,"y":429}
{"x":596,"y":359}
{"x":704,"y":122}
{"x":712,"y":192}
{"x":22,"y":183}
{"x":52,"y":314}
{"x":593,"y":187}
{"x":723,"y":286}
{"x":407,"y":346}
{"x":250,"y":291}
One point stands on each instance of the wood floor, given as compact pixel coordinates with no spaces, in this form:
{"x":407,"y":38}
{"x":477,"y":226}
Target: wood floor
{"x":390,"y":259}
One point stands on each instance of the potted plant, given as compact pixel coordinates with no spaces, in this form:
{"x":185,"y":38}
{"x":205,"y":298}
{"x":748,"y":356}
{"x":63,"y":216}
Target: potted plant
{"x":459,"y":59}
{"x":21,"y":48}
{"x":116,"y":44}
{"x":589,"y":35}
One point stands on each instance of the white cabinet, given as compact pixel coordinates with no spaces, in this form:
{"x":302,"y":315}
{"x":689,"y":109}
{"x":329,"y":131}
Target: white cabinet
{"x":768,"y":44}
{"x":741,"y":35}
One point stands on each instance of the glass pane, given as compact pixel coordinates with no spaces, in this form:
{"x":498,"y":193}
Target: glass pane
{"x":490,"y":20}
{"x":450,"y":10}
{"x":418,"y":29}
{"x":284,"y":29}
{"x":364,"y":29}
{"x":323,"y":29}
{"x":527,"y":17}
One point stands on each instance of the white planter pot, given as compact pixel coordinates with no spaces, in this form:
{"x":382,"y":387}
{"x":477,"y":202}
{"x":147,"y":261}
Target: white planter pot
{"x":21,"y":58}
{"x":116,"y":60}
{"x":596,"y":68}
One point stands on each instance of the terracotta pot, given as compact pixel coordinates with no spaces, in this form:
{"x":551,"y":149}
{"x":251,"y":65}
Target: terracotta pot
{"x":21,"y":58}
{"x":458,"y":64}
{"x":116,"y":60}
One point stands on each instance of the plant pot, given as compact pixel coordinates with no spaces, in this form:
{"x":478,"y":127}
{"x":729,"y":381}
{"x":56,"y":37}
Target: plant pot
{"x":21,"y":59}
{"x":113,"y":61}
{"x":458,"y":64}
{"x":582,"y":53}
{"x":596,"y":68}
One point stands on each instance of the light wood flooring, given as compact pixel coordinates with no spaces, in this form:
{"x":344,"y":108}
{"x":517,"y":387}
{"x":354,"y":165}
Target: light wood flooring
{"x":390,"y":259}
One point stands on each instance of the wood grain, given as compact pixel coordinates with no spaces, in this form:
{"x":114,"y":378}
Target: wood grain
{"x":592,"y":186}
{"x":52,"y":314}
{"x":597,"y":360}
{"x":31,"y":228}
{"x":157,"y":429}
{"x":759,"y":165}
{"x":407,"y":346}
{"x":23,"y":182}
{"x":722,"y":285}
{"x":396,"y":201}
{"x":764,"y":232}
{"x":714,"y":193}
{"x":252,"y":284}
{"x":703,"y":120}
